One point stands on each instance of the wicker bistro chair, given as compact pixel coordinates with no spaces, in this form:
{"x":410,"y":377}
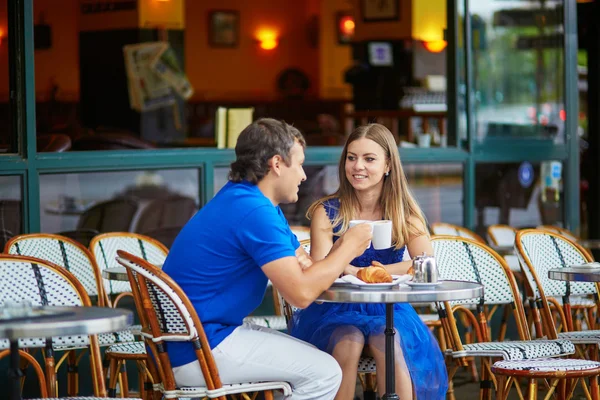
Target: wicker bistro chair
{"x":467,"y":260}
{"x":442,"y":228}
{"x":43,"y":283}
{"x":554,"y":370}
{"x":540,"y":251}
{"x":104,"y":248}
{"x":72,"y":256}
{"x":171,"y":317}
{"x":504,"y":236}
{"x":560,"y":231}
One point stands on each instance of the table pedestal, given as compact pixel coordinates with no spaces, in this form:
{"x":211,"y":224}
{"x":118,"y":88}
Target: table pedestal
{"x":14,"y":371}
{"x":390,"y":364}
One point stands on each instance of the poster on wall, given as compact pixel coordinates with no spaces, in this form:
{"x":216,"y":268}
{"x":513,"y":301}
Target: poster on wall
{"x":147,"y":89}
{"x":166,"y":65}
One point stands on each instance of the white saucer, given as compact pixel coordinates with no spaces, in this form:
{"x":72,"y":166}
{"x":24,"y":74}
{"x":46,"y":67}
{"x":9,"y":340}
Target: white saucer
{"x":423,"y":285}
{"x":354,"y":281}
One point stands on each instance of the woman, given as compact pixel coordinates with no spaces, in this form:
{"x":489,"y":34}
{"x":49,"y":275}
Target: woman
{"x":373,"y":187}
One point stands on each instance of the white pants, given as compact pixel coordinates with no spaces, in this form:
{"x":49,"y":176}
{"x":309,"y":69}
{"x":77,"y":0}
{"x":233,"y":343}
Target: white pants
{"x":253,"y":353}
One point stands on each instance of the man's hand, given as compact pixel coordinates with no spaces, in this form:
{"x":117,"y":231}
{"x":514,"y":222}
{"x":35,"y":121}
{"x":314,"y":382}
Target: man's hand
{"x":304,"y":260}
{"x":356,"y":239}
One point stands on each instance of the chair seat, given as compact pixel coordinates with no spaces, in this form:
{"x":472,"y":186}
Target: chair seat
{"x":82,"y":398}
{"x":276,"y":322}
{"x":201,"y":391}
{"x":367,"y":365}
{"x":518,"y":350}
{"x":545,"y":365}
{"x":63,"y":343}
{"x":581,"y":337}
{"x":106,"y":339}
{"x":127,"y":348}
{"x":58,"y":343}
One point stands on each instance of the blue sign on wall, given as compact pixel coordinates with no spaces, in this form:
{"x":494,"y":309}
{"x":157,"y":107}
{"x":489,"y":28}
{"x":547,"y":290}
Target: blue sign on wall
{"x":525,"y":174}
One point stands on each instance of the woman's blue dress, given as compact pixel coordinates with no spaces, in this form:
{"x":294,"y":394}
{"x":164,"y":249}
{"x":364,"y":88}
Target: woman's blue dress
{"x":422,"y":354}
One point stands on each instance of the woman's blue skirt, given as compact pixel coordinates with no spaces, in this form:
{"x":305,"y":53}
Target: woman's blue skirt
{"x":317,"y":323}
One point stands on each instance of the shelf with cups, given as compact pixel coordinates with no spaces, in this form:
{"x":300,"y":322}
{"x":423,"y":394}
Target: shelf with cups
{"x":433,"y":125}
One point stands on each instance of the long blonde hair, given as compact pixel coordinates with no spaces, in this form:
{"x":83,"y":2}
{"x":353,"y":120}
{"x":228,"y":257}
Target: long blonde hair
{"x":396,"y":200}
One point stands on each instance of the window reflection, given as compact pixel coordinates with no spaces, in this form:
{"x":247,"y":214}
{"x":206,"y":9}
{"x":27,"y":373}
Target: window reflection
{"x":8,"y":135}
{"x":11,"y":208}
{"x":156,"y":203}
{"x":437,"y":188}
{"x":89,"y":97}
{"x":519,"y":194}
{"x":518,"y":70}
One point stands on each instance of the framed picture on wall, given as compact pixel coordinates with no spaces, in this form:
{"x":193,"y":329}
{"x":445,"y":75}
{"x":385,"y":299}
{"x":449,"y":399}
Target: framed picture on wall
{"x":223,"y":28}
{"x":380,"y":10}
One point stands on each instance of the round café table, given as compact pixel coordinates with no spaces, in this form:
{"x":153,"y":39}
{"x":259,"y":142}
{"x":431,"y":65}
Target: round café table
{"x":446,"y":291}
{"x":575,"y":274}
{"x":49,"y":321}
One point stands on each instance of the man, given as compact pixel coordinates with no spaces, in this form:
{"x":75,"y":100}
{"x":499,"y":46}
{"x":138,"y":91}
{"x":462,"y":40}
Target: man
{"x":224,"y":256}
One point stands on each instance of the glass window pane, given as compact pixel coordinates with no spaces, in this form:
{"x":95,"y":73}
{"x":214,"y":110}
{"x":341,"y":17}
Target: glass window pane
{"x":8,"y":135}
{"x":519,"y":194}
{"x":156,"y":203}
{"x":321,"y":180}
{"x":11,"y":208}
{"x":402,"y":83}
{"x":438,"y":189}
{"x":518,"y":70}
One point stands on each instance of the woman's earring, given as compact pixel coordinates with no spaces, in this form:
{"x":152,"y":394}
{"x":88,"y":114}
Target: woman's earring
{"x":387,"y":173}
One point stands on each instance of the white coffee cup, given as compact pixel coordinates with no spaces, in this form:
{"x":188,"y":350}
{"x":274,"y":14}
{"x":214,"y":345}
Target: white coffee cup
{"x":381,"y":230}
{"x":382,"y":234}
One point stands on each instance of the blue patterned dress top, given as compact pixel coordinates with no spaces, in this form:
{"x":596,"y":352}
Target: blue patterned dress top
{"x":318,"y":324}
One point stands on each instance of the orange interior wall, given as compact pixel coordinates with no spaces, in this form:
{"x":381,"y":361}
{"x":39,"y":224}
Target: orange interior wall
{"x":335,"y":58}
{"x":245,"y":72}
{"x":58,"y":65}
{"x":248,"y":72}
{"x":4,"y":52}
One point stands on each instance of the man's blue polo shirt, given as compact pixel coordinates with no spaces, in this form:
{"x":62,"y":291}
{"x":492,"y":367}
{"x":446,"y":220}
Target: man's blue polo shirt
{"x":217,"y":259}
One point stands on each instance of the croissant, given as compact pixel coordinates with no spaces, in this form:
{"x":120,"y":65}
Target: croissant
{"x":374,"y":274}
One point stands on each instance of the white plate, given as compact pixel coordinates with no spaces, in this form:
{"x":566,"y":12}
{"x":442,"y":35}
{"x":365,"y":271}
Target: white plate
{"x":354,"y":281}
{"x":424,"y":285}
{"x":587,"y":265}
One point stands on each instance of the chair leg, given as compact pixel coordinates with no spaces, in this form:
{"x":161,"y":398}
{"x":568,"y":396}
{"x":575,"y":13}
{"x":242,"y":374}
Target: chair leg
{"x":594,"y":388}
{"x":532,"y":389}
{"x":72,"y":374}
{"x":50,"y":368}
{"x":114,"y":374}
{"x":269,"y":395}
{"x":500,"y":388}
{"x":369,"y":389}
{"x":451,"y":373}
{"x":124,"y":382}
